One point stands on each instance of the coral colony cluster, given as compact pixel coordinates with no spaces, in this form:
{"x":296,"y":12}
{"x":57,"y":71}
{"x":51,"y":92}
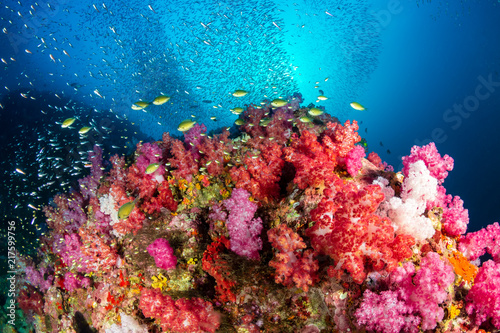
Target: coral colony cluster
{"x":285,"y":228}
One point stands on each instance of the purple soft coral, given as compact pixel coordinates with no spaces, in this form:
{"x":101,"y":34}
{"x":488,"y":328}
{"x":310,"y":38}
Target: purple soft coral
{"x":243,"y":230}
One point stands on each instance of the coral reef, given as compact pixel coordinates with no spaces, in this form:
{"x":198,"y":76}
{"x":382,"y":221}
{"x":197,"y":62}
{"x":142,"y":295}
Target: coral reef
{"x":284,"y":228}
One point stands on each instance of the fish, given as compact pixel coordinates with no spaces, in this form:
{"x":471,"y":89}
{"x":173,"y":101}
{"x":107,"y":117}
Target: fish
{"x":162,"y":99}
{"x":240,"y":93}
{"x":265,"y":121}
{"x":152,"y":168}
{"x":277,"y":103}
{"x":20,"y":171}
{"x":68,"y":122}
{"x":237,"y":110}
{"x":127,"y":208}
{"x":322,"y":97}
{"x":186,"y":125}
{"x":315,"y":112}
{"x":139,"y":105}
{"x":84,"y":130}
{"x":305,"y":119}
{"x":357,"y":106}
{"x":239,"y":122}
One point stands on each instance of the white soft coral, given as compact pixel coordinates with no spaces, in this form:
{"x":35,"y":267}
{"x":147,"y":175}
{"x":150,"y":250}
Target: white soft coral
{"x":406,"y":213}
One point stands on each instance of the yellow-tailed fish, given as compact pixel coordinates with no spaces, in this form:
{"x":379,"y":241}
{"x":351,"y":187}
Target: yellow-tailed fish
{"x":237,"y":110}
{"x":265,"y":121}
{"x":84,"y":130}
{"x":239,"y":122}
{"x":305,"y":119}
{"x":139,"y":105}
{"x":126,"y":209}
{"x":315,"y":112}
{"x":357,"y":106}
{"x":162,"y":99}
{"x":277,"y":103}
{"x":240,"y":93}
{"x":186,"y":125}
{"x":68,"y":122}
{"x":322,"y":97}
{"x":152,"y":168}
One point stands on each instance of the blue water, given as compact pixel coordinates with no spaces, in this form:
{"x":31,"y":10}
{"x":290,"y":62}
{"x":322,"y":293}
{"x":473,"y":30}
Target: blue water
{"x":408,"y":62}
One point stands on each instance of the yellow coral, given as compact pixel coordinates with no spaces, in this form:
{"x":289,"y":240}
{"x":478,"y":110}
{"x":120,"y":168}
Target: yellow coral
{"x":453,"y":311}
{"x":159,"y":282}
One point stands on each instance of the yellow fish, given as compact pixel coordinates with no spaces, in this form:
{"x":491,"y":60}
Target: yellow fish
{"x":277,"y":103}
{"x":162,"y":99}
{"x":240,"y":93}
{"x":322,"y":97}
{"x":152,"y":168}
{"x":84,"y":130}
{"x":139,"y":105}
{"x":239,"y":122}
{"x":237,"y":110}
{"x":315,"y":112}
{"x":357,"y":106}
{"x":68,"y":122}
{"x":305,"y":119}
{"x":126,"y":209}
{"x":265,"y":121}
{"x":186,"y":125}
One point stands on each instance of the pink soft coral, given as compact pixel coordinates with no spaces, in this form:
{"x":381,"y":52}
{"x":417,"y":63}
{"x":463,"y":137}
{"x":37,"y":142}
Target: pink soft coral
{"x":148,"y":153}
{"x":437,"y":165}
{"x":163,"y":253}
{"x":484,"y":296}
{"x":244,"y":230}
{"x":475,"y":244}
{"x":353,"y":160}
{"x":413,"y":298}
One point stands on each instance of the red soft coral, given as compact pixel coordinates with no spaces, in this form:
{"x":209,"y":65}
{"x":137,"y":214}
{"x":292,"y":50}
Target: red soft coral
{"x":138,"y":181}
{"x":102,"y":256}
{"x":262,"y":173}
{"x":213,"y":150}
{"x":314,"y":163}
{"x":183,"y":161}
{"x":344,"y":137}
{"x":182,"y":315}
{"x":30,"y":301}
{"x":164,"y":199}
{"x":292,"y":266}
{"x":217,"y":267}
{"x":348,"y":230}
{"x":136,"y":218}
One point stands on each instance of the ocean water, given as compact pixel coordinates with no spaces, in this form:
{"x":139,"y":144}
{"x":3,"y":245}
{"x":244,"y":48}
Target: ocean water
{"x":424,"y":70}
